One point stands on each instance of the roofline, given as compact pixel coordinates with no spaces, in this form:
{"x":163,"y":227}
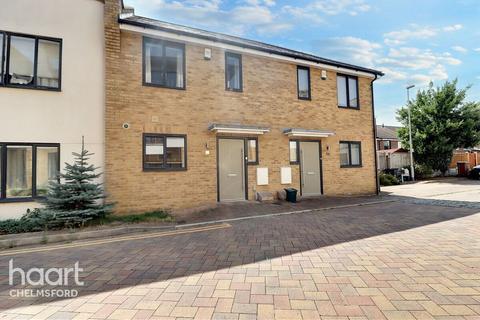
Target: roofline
{"x":252,"y":47}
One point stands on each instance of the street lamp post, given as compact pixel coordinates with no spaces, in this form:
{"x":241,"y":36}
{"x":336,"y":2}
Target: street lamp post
{"x":412,"y":170}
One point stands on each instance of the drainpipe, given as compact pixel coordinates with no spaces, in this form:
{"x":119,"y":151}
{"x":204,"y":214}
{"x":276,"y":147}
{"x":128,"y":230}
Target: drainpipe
{"x":377,"y":182}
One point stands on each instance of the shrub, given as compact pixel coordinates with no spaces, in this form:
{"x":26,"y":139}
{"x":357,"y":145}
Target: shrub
{"x":423,"y":172}
{"x":387,"y":179}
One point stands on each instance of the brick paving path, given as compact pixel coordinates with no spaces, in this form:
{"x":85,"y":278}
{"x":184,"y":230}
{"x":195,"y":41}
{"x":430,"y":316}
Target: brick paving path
{"x":389,"y":261}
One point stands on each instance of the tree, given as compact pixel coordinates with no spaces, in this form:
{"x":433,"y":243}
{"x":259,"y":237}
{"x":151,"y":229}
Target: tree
{"x":441,"y":122}
{"x":77,"y":199}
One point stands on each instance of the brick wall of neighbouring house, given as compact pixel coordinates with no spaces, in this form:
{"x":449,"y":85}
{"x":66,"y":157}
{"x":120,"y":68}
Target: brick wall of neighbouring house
{"x":393,"y":144}
{"x":269,"y":98}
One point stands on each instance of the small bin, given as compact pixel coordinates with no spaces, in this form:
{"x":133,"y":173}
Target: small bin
{"x":291,"y":195}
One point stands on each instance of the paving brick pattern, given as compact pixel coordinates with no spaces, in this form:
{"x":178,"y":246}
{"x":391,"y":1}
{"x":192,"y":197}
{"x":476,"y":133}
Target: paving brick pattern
{"x":389,"y":261}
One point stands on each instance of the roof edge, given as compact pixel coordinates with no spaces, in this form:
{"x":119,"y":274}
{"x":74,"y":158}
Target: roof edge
{"x":124,"y":20}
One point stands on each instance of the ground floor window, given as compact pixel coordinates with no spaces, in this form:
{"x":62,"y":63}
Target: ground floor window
{"x":26,"y":169}
{"x":294,"y":151}
{"x":164,"y":152}
{"x":252,"y":148}
{"x":350,"y":154}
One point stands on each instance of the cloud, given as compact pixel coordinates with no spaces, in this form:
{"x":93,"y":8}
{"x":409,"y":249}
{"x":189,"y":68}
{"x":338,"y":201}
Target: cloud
{"x":405,"y":64}
{"x":256,"y":15}
{"x":318,"y":10}
{"x":454,"y":27}
{"x":351,"y":49}
{"x":476,"y":49}
{"x":415,"y":32}
{"x":460,"y":49}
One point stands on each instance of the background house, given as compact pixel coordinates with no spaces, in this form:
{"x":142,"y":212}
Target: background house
{"x":387,"y":137}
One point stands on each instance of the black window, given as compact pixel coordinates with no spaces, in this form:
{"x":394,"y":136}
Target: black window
{"x":303,"y":83}
{"x":294,"y":151}
{"x":347,"y":91}
{"x":30,"y":61}
{"x":27,"y":169}
{"x":387,"y":144}
{"x":350,"y":154}
{"x":233,"y":72}
{"x":252,"y":150}
{"x":164,"y":152}
{"x":163,"y":63}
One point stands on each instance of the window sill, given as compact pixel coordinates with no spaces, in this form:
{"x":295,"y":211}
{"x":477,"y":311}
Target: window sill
{"x":24,"y":199}
{"x":146,"y":84}
{"x":294,"y":163}
{"x":234,"y":90}
{"x":305,"y":99}
{"x":163,"y":169}
{"x":252,"y":163}
{"x":352,"y":166}
{"x":352,"y":108}
{"x":30,"y":87}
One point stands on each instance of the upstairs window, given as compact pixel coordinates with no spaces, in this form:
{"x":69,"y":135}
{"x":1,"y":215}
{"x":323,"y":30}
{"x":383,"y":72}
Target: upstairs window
{"x":303,"y":83}
{"x":347,"y":91}
{"x":164,"y":152}
{"x":387,"y":144}
{"x":350,"y":154}
{"x":30,"y":61}
{"x":163,"y":63}
{"x":233,"y":72}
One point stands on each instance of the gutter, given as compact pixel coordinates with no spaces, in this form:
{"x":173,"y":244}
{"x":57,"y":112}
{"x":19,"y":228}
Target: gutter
{"x":377,"y":181}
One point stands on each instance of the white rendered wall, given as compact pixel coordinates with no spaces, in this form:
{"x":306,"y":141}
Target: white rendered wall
{"x":58,"y":117}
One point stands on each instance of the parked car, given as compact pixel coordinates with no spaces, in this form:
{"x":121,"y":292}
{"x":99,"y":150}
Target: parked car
{"x":474,"y":173}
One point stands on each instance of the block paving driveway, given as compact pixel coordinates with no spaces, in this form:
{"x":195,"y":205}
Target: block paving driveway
{"x":395,"y":260}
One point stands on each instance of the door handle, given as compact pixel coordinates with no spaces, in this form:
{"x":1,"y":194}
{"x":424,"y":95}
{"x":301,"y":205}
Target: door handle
{"x":232,"y":174}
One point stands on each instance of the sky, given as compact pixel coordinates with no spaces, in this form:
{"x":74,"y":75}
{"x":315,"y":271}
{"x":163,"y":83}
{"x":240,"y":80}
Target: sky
{"x":411,"y":41}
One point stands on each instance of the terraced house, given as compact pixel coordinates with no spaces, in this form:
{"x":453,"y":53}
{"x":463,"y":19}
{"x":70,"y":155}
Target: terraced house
{"x":195,"y":117}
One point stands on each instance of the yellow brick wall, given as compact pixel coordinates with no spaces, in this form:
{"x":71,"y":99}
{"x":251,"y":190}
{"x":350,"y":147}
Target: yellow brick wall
{"x":269,"y":98}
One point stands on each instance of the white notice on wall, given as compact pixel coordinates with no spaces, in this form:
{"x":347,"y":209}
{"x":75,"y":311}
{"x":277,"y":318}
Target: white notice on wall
{"x":154,"y":150}
{"x":262,"y":176}
{"x":286,"y":175}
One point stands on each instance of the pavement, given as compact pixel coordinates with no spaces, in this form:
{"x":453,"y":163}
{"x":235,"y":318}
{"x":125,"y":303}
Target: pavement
{"x":389,"y":260}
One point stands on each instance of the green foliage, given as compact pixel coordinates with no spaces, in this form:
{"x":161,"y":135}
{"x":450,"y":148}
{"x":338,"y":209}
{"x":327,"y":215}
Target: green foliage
{"x":67,"y":204}
{"x":422,"y":172}
{"x":78,"y":199}
{"x":441,"y":121}
{"x":31,"y":221}
{"x":387,"y":179}
{"x":137,"y":218}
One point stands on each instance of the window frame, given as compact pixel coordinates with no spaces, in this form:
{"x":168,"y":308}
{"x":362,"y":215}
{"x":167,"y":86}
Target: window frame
{"x":297,"y":151}
{"x":6,"y":61}
{"x":350,"y":143}
{"x":347,"y":87}
{"x":256,"y":162}
{"x":389,"y":144}
{"x":239,"y":56}
{"x":4,"y":169}
{"x":309,"y":83}
{"x":145,"y":40}
{"x":164,"y":136}
{"x":2,"y":57}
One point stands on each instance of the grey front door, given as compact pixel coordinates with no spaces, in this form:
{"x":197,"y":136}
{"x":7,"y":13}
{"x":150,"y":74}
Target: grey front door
{"x":231,"y":169}
{"x":310,"y":168}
